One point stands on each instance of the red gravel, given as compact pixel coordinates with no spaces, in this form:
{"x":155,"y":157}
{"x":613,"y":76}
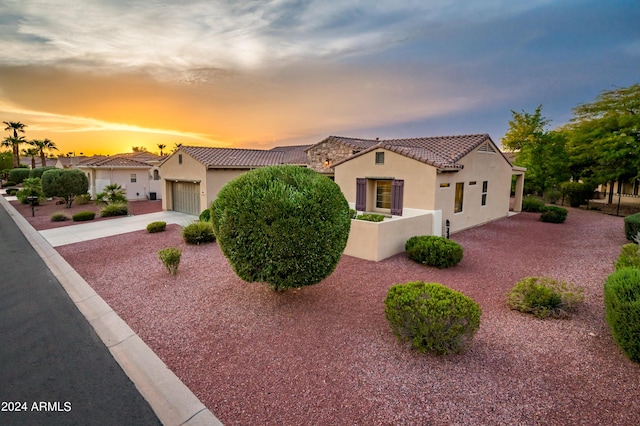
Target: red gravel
{"x":325,"y":354}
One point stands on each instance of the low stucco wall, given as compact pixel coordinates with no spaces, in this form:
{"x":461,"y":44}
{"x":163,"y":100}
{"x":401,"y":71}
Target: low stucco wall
{"x":379,"y":240}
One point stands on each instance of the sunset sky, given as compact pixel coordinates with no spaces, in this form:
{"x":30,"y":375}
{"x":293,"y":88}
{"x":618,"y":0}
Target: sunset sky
{"x":101,"y":76}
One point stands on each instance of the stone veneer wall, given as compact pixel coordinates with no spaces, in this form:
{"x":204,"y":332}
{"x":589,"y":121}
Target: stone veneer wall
{"x":332,"y":150}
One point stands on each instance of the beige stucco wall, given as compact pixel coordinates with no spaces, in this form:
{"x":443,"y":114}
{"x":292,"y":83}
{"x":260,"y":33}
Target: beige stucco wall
{"x":419,"y":178}
{"x":190,"y":170}
{"x":216,"y":179}
{"x":101,"y":177}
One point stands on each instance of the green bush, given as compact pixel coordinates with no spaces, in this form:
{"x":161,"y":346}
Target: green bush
{"x":10,"y":183}
{"x":622,"y":309}
{"x":198,"y":233}
{"x":59,"y":217}
{"x":532,"y":204}
{"x":64,"y":183}
{"x":112,"y":194}
{"x":286,"y":226}
{"x":12,"y":191}
{"x":552,"y":196}
{"x":31,"y":187}
{"x":553,"y":214}
{"x":434,"y":251}
{"x":116,"y":209}
{"x":433,"y":317}
{"x":544,"y":297}
{"x":632,"y":226}
{"x":371,"y":217}
{"x":38,"y":171}
{"x":629,"y":257}
{"x":83,"y":199}
{"x":154,"y":227}
{"x":82,"y":216}
{"x":170,"y":258}
{"x":205,"y":216}
{"x":578,"y":193}
{"x":18,"y":175}
{"x":353,"y":213}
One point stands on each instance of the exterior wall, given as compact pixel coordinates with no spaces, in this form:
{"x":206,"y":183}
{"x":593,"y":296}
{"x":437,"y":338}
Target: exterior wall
{"x":330,"y":150}
{"x":190,"y":170}
{"x":101,"y":177}
{"x":216,"y":179}
{"x":478,"y":167}
{"x":419,"y":178}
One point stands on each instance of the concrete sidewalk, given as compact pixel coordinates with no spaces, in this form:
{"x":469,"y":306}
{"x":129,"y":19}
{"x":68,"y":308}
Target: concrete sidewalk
{"x":106,"y":228}
{"x":59,"y":350}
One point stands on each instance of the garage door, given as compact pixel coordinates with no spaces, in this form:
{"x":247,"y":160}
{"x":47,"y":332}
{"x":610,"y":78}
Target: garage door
{"x":186,"y":197}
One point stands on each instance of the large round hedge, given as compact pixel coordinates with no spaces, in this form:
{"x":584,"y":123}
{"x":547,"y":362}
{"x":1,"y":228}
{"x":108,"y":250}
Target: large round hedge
{"x":433,"y":317}
{"x":622,"y":309}
{"x":286,"y":226}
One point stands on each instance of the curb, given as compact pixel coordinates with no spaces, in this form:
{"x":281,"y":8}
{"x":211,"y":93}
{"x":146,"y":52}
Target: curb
{"x":170,"y":399}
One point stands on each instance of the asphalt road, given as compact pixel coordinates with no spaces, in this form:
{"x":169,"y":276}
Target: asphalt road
{"x":54,"y":369}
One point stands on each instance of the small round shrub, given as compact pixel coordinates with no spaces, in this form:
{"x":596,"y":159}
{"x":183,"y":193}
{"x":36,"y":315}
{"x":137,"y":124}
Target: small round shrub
{"x":154,"y":227}
{"x":170,"y":258}
{"x":38,"y":171}
{"x":544,"y":297}
{"x":82,"y":216}
{"x":532,"y":204}
{"x":10,"y":183}
{"x":205,"y":216}
{"x":19,"y":175}
{"x":629,"y":257}
{"x":434,"y":251}
{"x":552,"y":196}
{"x":622,"y":310}
{"x":286,"y":226}
{"x":433,"y":317}
{"x":59,"y":217}
{"x":198,"y":233}
{"x":578,"y":193}
{"x":83,"y":199}
{"x":632,"y":226}
{"x":12,"y":191}
{"x":553,"y":214}
{"x":371,"y":217}
{"x":116,"y":209}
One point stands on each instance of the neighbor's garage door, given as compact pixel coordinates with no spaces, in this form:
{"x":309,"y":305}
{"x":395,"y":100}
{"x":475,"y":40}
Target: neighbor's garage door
{"x":186,"y":197}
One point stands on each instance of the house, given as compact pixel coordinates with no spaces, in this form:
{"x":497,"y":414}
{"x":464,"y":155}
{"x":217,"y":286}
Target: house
{"x":192,"y":176}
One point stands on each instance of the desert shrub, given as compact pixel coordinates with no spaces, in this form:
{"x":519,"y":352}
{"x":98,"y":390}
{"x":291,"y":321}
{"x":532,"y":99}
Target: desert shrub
{"x":154,"y":227}
{"x":629,"y":257}
{"x":10,"y":183}
{"x":544,"y":297}
{"x":532,"y":204}
{"x":553,"y":214}
{"x":112,"y":194}
{"x":170,"y":258}
{"x":31,"y":187}
{"x":18,"y":175}
{"x":38,"y":171}
{"x":286,"y":226}
{"x":59,"y":217}
{"x":371,"y":217}
{"x":83,"y":199}
{"x":552,"y":196}
{"x":205,"y":216}
{"x":578,"y":193}
{"x":622,"y":309}
{"x":433,"y":317}
{"x":434,"y":251}
{"x":631,"y":226}
{"x":353,"y":213}
{"x":116,"y":209}
{"x":82,"y":216}
{"x":64,"y":183}
{"x":198,"y":233}
{"x":12,"y":191}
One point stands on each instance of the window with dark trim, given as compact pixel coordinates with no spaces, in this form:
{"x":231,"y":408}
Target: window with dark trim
{"x":134,"y":178}
{"x":457,"y":208}
{"x":156,"y":175}
{"x":485,"y":185}
{"x":379,"y":157}
{"x":445,"y":185}
{"x":179,"y":158}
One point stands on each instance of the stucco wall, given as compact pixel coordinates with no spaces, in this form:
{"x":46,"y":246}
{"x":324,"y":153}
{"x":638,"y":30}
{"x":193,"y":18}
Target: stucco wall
{"x":190,"y":170}
{"x":216,"y":179}
{"x":101,"y":177}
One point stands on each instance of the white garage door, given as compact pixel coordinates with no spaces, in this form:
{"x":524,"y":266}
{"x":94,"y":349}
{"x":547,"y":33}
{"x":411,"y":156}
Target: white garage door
{"x":186,"y":197}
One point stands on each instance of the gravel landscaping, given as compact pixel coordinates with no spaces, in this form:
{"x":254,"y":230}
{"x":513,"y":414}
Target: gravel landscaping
{"x":325,"y":354}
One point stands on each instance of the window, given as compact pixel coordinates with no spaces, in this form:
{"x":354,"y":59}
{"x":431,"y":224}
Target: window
{"x":473,"y":182}
{"x":383,"y":194}
{"x":179,"y":158}
{"x":457,"y":208}
{"x":156,"y":175}
{"x":379,"y":157}
{"x":445,"y":185}
{"x":133,"y":178}
{"x":485,"y":185}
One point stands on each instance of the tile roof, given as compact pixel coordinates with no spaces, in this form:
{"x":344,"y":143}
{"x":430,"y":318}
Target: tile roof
{"x":357,"y":144}
{"x":293,"y":154}
{"x":220,"y":158}
{"x":114,"y":161}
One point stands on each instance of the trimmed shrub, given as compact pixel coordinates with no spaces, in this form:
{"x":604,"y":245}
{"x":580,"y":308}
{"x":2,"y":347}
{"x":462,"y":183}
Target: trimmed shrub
{"x":552,"y":196}
{"x":434,"y":251}
{"x":578,"y":193}
{"x":544,"y":297}
{"x":116,"y":209}
{"x":629,"y":257}
{"x":12,"y":191}
{"x":432,"y":317}
{"x":59,"y":217}
{"x":532,"y":204}
{"x":82,"y":216}
{"x":198,"y":233}
{"x":19,"y":175}
{"x":205,"y":216}
{"x":632,"y":226}
{"x":170,"y":258}
{"x":154,"y":227}
{"x":622,"y":310}
{"x":371,"y":217}
{"x":10,"y":183}
{"x":553,"y":214}
{"x":286,"y":226}
{"x":38,"y":171}
{"x":83,"y":199}
{"x":353,"y":213}
{"x":64,"y":183}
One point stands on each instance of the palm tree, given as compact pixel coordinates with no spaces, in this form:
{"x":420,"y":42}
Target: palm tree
{"x":176,"y":146}
{"x":161,"y":146}
{"x":14,"y":142}
{"x":42,"y":145}
{"x":33,"y":153}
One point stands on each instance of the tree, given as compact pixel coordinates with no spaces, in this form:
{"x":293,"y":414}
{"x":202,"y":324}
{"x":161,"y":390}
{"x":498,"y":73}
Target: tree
{"x":64,"y":183}
{"x":161,"y":146}
{"x":542,"y":152}
{"x":42,"y":145}
{"x":15,"y":141}
{"x":139,"y":149}
{"x":33,"y":153}
{"x":286,"y":226}
{"x":112,"y":194}
{"x":604,"y":136}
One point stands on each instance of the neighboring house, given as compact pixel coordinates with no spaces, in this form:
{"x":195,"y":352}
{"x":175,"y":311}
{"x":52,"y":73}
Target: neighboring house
{"x":629,"y":190}
{"x":192,"y":176}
